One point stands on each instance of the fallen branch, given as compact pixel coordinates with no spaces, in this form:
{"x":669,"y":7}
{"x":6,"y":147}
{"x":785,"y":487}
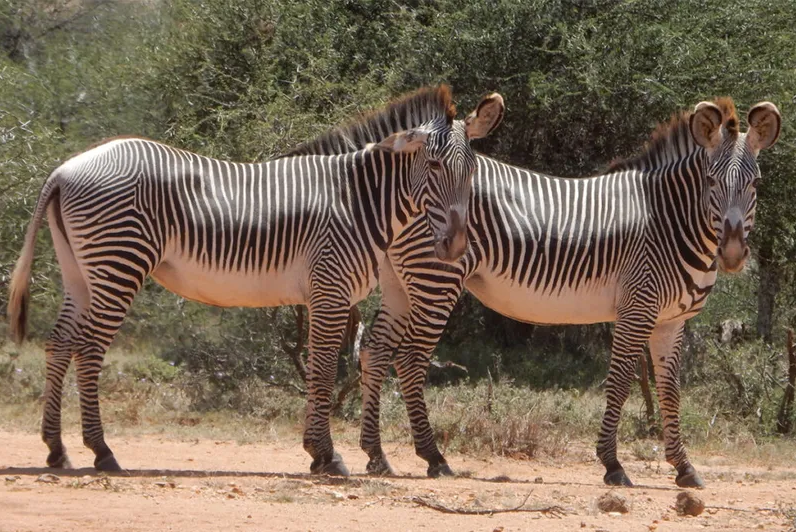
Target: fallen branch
{"x":553,"y":511}
{"x":750,"y":510}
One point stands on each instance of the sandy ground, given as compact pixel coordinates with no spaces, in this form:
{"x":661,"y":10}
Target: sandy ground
{"x":200,"y":485}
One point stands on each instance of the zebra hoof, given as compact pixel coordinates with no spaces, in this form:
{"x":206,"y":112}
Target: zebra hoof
{"x":379,"y":467}
{"x":59,"y":461}
{"x":108,"y":463}
{"x":617,"y":477}
{"x":440,"y":470}
{"x":334,"y":467}
{"x":689,"y":479}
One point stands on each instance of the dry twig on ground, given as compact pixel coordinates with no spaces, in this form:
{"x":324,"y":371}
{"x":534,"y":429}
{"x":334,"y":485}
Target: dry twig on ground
{"x":553,"y":511}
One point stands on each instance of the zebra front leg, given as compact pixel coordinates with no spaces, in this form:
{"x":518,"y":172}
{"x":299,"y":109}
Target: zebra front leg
{"x":665,"y":344}
{"x":630,"y":334}
{"x":327,"y":328}
{"x":433,"y":295}
{"x":412,"y":369}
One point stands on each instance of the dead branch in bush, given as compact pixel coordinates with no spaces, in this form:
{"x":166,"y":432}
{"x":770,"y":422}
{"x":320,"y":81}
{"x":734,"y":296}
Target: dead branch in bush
{"x":489,"y":391}
{"x":553,"y":511}
{"x":644,"y":380}
{"x":353,"y":336}
{"x":448,"y":365}
{"x":784,"y":417}
{"x":295,"y":352}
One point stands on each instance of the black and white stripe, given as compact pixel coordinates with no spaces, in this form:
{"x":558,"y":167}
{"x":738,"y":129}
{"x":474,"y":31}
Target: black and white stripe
{"x":638,"y":246}
{"x":302,"y":229}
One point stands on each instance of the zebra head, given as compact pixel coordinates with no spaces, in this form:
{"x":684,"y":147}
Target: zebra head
{"x":732,"y":173}
{"x":442,"y":171}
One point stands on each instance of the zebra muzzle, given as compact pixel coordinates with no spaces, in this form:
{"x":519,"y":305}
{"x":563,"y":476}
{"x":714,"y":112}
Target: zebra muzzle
{"x":452,"y":244}
{"x":733,"y":249}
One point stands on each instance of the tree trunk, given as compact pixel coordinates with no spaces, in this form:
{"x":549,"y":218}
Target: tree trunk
{"x":784,"y":418}
{"x":767,"y":290}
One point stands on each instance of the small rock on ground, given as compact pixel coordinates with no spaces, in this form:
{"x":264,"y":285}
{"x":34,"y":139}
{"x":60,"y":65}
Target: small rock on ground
{"x":613,"y":502}
{"x":689,"y":504}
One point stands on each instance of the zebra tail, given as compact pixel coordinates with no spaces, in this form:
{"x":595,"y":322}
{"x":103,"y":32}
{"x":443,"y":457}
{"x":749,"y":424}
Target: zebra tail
{"x":19,"y":288}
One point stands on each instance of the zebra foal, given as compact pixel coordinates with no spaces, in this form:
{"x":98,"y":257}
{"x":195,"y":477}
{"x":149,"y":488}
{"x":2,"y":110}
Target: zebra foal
{"x":309,"y":230}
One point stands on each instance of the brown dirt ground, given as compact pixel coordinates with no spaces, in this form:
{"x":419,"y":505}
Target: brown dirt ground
{"x":203,"y":485}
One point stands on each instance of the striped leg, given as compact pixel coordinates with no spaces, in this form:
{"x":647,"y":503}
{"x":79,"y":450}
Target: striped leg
{"x":59,"y":350}
{"x":665,"y":345}
{"x":109,"y":305}
{"x":327,"y":327}
{"x":375,"y":357}
{"x":630,"y":335}
{"x":428,"y":317}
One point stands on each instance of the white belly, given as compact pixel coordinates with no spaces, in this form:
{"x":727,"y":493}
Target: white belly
{"x":591,"y":304}
{"x":233,"y":289}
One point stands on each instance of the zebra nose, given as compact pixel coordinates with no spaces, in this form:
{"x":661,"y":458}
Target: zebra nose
{"x":733,"y":249}
{"x":453,"y":243}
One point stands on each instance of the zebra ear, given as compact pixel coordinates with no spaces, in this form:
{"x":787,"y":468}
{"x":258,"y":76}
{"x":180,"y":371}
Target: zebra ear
{"x":486,"y":117}
{"x":404,"y":141}
{"x":764,"y":126}
{"x":705,"y":125}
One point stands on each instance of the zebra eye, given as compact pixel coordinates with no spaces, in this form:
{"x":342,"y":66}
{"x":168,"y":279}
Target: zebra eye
{"x":756,"y":182}
{"x":712,"y":181}
{"x":435,"y":166}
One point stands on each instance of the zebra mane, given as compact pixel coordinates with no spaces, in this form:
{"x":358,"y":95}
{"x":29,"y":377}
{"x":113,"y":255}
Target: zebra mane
{"x":407,"y":112}
{"x":672,"y":140}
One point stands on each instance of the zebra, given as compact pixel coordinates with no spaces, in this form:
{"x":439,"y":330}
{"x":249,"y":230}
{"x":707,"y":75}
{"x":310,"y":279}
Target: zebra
{"x":639,"y":246}
{"x":309,"y":230}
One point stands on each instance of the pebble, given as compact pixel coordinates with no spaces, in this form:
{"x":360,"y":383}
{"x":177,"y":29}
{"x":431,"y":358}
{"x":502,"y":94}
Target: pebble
{"x":613,"y":503}
{"x":689,"y":504}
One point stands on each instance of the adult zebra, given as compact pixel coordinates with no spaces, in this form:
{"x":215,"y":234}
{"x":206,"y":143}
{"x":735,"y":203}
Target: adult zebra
{"x":638,"y":246}
{"x":298,"y":230}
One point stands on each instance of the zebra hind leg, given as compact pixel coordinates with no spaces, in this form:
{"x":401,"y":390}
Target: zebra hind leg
{"x":107,"y":313}
{"x":386,"y":333}
{"x":60,"y":348}
{"x":375,"y":363}
{"x":88,"y":364}
{"x":59,"y":355}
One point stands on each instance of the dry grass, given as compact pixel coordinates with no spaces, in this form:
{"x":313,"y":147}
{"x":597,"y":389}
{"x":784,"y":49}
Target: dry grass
{"x":141,"y":394}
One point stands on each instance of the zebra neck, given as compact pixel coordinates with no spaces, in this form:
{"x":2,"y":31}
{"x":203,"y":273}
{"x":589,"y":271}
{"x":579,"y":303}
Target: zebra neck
{"x":381,"y":194}
{"x":681,"y":200}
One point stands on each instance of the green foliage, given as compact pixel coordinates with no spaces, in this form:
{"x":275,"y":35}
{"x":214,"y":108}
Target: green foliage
{"x":153,"y":369}
{"x":585,"y":82}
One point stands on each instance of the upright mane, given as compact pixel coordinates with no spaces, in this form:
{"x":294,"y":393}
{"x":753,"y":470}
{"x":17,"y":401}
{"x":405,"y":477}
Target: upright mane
{"x":406,"y":112}
{"x":672,"y":140}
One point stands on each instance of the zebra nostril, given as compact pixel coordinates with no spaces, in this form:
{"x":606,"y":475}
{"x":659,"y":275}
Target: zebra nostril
{"x":746,"y":252}
{"x":721,"y":253}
